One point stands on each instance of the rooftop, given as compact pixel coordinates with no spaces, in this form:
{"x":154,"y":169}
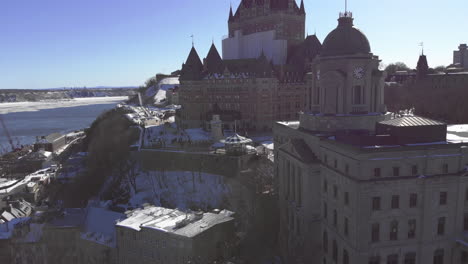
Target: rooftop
{"x":407,"y":121}
{"x":188,"y":224}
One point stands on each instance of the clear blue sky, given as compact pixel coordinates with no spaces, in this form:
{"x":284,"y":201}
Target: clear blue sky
{"x":57,"y":43}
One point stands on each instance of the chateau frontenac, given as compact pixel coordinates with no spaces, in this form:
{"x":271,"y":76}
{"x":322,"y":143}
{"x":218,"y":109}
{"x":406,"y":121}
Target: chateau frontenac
{"x":262,"y":75}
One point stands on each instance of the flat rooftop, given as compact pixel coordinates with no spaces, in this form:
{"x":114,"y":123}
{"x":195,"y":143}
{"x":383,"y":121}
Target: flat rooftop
{"x":457,"y":135}
{"x":187,"y":224}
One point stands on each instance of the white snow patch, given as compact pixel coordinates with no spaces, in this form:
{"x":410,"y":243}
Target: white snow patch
{"x":6,"y":108}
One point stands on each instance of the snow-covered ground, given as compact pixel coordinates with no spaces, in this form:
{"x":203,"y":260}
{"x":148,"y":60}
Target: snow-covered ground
{"x":180,"y":189}
{"x":6,"y":108}
{"x":169,"y":135}
{"x":164,"y":85}
{"x":159,"y":91}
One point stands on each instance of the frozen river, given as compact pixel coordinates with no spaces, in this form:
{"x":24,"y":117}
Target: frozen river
{"x":26,"y":120}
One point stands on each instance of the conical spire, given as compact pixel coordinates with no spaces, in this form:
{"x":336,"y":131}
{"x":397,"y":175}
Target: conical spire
{"x":231,"y":16}
{"x":422,"y":67}
{"x":214,"y":63}
{"x":193,"y":67}
{"x":302,"y":9}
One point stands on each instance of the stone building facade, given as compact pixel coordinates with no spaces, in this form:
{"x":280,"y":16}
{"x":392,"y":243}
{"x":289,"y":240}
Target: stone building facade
{"x":460,"y":56}
{"x":256,"y":87}
{"x":159,"y":235}
{"x":356,"y":186}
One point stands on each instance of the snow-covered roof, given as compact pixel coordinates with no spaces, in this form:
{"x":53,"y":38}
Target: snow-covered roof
{"x":236,"y":139}
{"x":100,"y":225}
{"x":71,"y":217}
{"x":188,"y":224}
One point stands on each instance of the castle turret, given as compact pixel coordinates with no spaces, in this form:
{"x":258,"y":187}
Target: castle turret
{"x":213,"y":62}
{"x":422,"y":68}
{"x":193,"y":68}
{"x":302,"y":9}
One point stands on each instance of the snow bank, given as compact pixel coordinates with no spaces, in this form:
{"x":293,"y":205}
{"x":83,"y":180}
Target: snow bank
{"x":6,"y":108}
{"x":457,"y":128}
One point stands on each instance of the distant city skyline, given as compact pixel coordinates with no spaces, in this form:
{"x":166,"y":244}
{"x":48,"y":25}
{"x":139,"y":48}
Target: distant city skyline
{"x":55,"y":43}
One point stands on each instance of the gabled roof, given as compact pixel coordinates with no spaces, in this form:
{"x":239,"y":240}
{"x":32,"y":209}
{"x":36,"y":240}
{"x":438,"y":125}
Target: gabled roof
{"x":409,"y":121}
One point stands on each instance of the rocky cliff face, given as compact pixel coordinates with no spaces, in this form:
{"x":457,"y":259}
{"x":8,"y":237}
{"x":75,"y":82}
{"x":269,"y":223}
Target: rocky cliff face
{"x":55,"y":94}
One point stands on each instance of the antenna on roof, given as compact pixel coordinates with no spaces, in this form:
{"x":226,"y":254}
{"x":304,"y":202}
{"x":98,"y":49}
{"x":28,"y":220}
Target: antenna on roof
{"x":421,"y":44}
{"x":193,"y":43}
{"x":346,"y":6}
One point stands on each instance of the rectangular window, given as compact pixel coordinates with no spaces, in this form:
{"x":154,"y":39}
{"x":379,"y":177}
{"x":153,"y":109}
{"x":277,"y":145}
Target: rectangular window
{"x":346,"y":198}
{"x":347,"y":169}
{"x":377,"y":172}
{"x":413,"y":202}
{"x":325,"y":186}
{"x":445,"y":168}
{"x":438,"y":257}
{"x":410,"y":258}
{"x":395,"y":202}
{"x":375,"y":203}
{"x":412,"y":228}
{"x":465,"y":222}
{"x":335,"y":218}
{"x":335,"y":163}
{"x":346,"y":227}
{"x":357,"y":95}
{"x":374,"y":260}
{"x":464,"y":257}
{"x":414,"y":170}
{"x":441,"y":226}
{"x":375,"y":232}
{"x":393,"y":230}
{"x":442,"y":198}
{"x":325,"y":210}
{"x":396,"y":171}
{"x":335,"y":191}
{"x":392,"y":259}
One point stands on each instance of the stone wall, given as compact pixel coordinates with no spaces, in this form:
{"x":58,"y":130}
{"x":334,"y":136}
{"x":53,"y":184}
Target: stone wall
{"x":224,"y":165}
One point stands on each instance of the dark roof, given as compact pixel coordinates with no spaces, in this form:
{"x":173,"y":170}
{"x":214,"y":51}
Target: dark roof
{"x":345,"y":40}
{"x":302,"y":9}
{"x":278,"y":5}
{"x":305,"y":52}
{"x":193,"y":67}
{"x":411,"y":121}
{"x":214,"y":63}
